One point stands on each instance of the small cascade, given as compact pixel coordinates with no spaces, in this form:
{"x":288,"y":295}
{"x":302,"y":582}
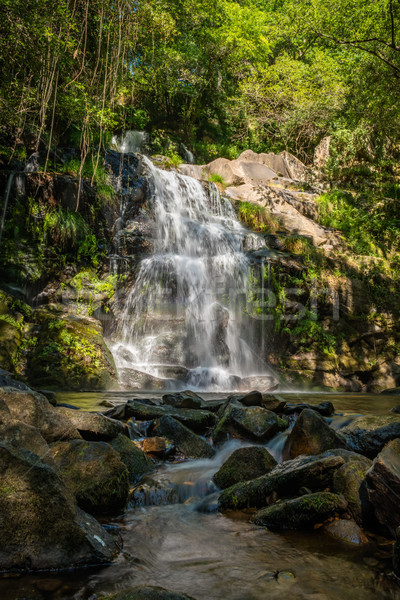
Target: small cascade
{"x":186,"y":308}
{"x":130,"y":142}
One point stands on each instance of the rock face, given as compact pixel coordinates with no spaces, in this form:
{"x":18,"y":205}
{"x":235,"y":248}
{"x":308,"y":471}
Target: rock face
{"x":198,"y":420}
{"x":369,"y":434}
{"x":244,"y":464}
{"x":135,"y":460}
{"x":254,"y":423}
{"x":146,"y":593}
{"x":383,"y":485}
{"x":302,"y":512}
{"x":40,"y":526}
{"x":349,"y":481}
{"x":95,"y":474}
{"x":311,"y":435}
{"x":284,"y":481}
{"x":93,"y":427}
{"x":187,"y":442}
{"x":35,"y":410}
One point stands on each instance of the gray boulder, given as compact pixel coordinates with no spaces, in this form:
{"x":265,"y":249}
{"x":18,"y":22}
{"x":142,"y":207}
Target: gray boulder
{"x":135,"y":460}
{"x":187,"y":442}
{"x":93,"y":427}
{"x":198,"y":420}
{"x":244,"y":464}
{"x":311,"y":435}
{"x":349,"y":481}
{"x":368,"y":434}
{"x":254,"y":423}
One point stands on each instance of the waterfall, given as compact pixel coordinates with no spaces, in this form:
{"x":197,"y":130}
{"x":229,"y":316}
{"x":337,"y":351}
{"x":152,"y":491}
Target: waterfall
{"x":184,"y":315}
{"x":130,"y":141}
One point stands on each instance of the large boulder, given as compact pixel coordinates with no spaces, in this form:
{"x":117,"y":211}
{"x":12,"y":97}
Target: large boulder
{"x":383,"y":485}
{"x":135,"y":460}
{"x":187,"y":442}
{"x":284,"y":481}
{"x":303,"y":512}
{"x":198,"y":420}
{"x":244,"y":464}
{"x":93,"y":427}
{"x":254,"y":423}
{"x":17,"y":435}
{"x":40,"y":526}
{"x":35,"y":410}
{"x":368,"y":434}
{"x":186,"y":399}
{"x":311,"y":435}
{"x":349,"y":481}
{"x":146,"y":593}
{"x":95,"y":474}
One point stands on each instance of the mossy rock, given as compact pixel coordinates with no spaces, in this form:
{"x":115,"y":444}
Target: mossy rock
{"x":70,"y":354}
{"x":253,"y":422}
{"x":195,"y":419}
{"x":311,"y":434}
{"x":368,"y":434}
{"x":136,"y":461}
{"x":349,"y":481}
{"x":10,"y":341}
{"x":244,"y":464}
{"x":301,"y":512}
{"x":95,"y":474}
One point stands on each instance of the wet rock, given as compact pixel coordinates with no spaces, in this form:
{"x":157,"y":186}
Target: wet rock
{"x":273,"y":403}
{"x":93,"y":427}
{"x":369,"y":434}
{"x":187,"y":442}
{"x":95,"y":474}
{"x":155,"y":493}
{"x":284,"y":481}
{"x":346,"y":530}
{"x":187,"y":399}
{"x":254,"y":423}
{"x":251,"y":399}
{"x":40,"y":526}
{"x":301,"y":512}
{"x":135,"y":460}
{"x":209,"y":504}
{"x":349,"y":481}
{"x":244,"y":464}
{"x":147,"y":593}
{"x":198,"y":420}
{"x":311,"y":435}
{"x":326,"y":409}
{"x":383,"y":485}
{"x":157,"y":446}
{"x":391,"y":391}
{"x":35,"y":410}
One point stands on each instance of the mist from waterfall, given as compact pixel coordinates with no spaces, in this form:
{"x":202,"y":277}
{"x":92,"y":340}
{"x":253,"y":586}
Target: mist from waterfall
{"x":185,"y":310}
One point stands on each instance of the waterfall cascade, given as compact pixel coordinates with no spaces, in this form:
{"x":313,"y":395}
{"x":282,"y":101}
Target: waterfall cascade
{"x":184,"y":317}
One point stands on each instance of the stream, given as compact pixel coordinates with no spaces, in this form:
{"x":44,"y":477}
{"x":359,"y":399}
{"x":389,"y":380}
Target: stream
{"x":173,"y":539}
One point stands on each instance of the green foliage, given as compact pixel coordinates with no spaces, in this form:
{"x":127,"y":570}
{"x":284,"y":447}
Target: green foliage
{"x":257,"y":218}
{"x":215,"y":178}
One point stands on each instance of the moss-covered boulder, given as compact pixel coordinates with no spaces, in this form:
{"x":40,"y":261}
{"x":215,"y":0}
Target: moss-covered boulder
{"x":302,"y":512}
{"x":135,"y":460}
{"x":187,"y":442}
{"x":35,"y":410}
{"x":244,"y":464}
{"x":186,"y":399}
{"x":349,"y":481}
{"x":284,"y":481}
{"x":197,"y":420}
{"x":10,"y":341}
{"x":93,"y":427}
{"x":368,"y":434}
{"x":40,"y":525}
{"x":254,"y":423}
{"x":69,"y":353}
{"x":146,"y":593}
{"x":95,"y":474}
{"x":311,"y":434}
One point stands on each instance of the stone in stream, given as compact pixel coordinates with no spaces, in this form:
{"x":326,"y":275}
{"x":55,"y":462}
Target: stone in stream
{"x":273,"y":402}
{"x":347,"y":531}
{"x":383,"y":485}
{"x":285,"y":480}
{"x":326,"y":408}
{"x":135,"y":460}
{"x":254,"y":423}
{"x":186,"y":399}
{"x":349,"y":481}
{"x":93,"y":427}
{"x":40,"y":526}
{"x":187,"y":442}
{"x":198,"y":420}
{"x":35,"y":410}
{"x":159,"y":447}
{"x":368,"y":434}
{"x":253,"y":398}
{"x":244,"y":464}
{"x":95,"y":474}
{"x":146,"y":593}
{"x":302,"y":512}
{"x":311,"y":434}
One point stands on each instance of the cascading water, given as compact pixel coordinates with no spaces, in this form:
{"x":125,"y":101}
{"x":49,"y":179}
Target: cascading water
{"x":184,"y":316}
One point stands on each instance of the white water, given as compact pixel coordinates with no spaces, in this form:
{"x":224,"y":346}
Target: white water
{"x":186,"y":307}
{"x":130,"y":141}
